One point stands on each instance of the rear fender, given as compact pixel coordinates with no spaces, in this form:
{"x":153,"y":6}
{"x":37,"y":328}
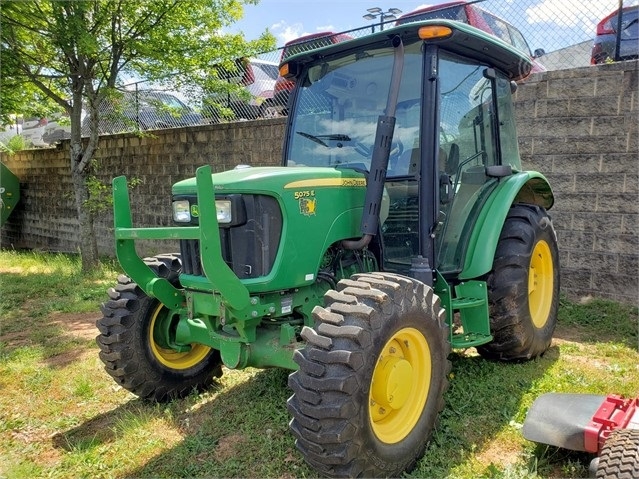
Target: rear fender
{"x":527,"y":187}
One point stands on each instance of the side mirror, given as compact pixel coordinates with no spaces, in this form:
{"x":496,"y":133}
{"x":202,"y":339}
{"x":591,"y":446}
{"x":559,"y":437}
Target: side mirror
{"x":513,"y":87}
{"x":540,"y":52}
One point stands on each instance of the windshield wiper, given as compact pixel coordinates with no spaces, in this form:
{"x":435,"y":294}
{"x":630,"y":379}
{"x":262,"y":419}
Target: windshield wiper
{"x":319,"y":138}
{"x":336,"y":137}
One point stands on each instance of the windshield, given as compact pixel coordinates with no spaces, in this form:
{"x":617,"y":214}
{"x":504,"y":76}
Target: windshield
{"x":338,"y":104}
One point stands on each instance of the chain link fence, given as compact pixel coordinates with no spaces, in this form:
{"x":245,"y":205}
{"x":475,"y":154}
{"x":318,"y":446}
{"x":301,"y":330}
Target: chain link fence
{"x":556,"y":34}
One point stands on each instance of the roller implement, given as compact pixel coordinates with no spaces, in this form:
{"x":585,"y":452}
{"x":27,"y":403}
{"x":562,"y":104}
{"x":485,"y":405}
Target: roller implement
{"x":401,"y":224}
{"x":606,"y":426}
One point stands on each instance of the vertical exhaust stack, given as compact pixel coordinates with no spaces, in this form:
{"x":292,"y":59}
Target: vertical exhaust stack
{"x":381,"y":154}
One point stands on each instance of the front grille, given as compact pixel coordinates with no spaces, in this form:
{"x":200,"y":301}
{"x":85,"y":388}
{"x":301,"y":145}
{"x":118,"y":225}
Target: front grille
{"x":190,"y":251}
{"x":250,"y":248}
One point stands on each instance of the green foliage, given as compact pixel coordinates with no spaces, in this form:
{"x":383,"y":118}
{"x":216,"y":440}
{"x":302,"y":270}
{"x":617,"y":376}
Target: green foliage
{"x":15,"y":143}
{"x":100,"y":198}
{"x":75,"y":53}
{"x":67,"y":51}
{"x":100,"y":193}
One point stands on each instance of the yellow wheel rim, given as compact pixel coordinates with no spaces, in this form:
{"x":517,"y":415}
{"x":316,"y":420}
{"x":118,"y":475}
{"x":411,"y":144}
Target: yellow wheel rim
{"x":400,"y":385}
{"x":169,"y":357}
{"x":540,"y":284}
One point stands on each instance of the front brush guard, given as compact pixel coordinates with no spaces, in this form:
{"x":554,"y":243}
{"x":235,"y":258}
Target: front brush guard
{"x":235,"y":294}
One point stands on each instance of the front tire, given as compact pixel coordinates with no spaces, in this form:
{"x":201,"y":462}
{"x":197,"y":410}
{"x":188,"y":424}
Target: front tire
{"x":523,"y":287}
{"x":371,"y":378}
{"x":619,"y":457}
{"x":132,"y":351}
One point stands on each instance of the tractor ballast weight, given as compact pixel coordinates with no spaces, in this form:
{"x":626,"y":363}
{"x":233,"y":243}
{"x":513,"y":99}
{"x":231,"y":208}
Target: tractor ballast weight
{"x":399,"y":225}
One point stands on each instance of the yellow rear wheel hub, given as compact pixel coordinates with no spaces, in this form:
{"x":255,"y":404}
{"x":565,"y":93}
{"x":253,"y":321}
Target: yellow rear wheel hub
{"x":400,"y":385}
{"x":169,"y":357}
{"x":540,"y":284}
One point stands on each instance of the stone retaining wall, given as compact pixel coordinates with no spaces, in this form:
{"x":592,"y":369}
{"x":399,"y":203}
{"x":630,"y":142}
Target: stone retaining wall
{"x":579,"y":127}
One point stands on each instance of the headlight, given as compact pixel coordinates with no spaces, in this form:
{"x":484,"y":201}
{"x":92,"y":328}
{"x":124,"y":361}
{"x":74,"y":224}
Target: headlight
{"x":223,"y":208}
{"x":182,"y":211}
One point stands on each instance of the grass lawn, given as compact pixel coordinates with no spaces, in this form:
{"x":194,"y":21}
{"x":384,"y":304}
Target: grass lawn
{"x":62,"y":416}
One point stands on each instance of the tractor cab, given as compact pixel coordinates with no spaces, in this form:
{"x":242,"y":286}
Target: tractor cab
{"x":439,"y":111}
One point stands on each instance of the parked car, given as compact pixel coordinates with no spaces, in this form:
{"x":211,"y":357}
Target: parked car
{"x":471,"y":14}
{"x":258,"y":79}
{"x":58,"y":128}
{"x":263,"y":85}
{"x":143,"y":110}
{"x":603,"y":49}
{"x":31,"y":128}
{"x":276,"y":106}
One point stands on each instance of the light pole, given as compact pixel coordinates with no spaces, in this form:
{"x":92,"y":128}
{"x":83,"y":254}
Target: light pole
{"x":374,"y":12}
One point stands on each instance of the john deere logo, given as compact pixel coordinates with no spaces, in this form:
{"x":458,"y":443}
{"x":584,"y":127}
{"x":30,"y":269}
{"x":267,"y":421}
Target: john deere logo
{"x":307,"y":206}
{"x":195,"y":211}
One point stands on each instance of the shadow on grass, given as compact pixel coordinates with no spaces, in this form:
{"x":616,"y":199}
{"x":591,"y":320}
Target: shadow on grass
{"x":242,"y":431}
{"x":99,"y":430}
{"x":483,"y":399}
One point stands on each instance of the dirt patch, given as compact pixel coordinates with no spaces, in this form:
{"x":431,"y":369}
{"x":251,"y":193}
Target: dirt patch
{"x":74,"y":325}
{"x":229,"y":446}
{"x":77,"y":325}
{"x":59,"y":328}
{"x":499,"y":452}
{"x":80,"y":326}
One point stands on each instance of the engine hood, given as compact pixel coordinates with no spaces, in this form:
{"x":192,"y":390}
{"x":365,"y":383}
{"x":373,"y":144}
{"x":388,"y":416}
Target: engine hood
{"x":276,"y":180}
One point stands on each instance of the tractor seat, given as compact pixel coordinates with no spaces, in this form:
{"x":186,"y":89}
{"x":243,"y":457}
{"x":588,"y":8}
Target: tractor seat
{"x":409,"y":161}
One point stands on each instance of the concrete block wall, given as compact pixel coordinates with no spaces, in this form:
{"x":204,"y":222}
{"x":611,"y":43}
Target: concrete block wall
{"x":579,"y":127}
{"x":45,"y":217}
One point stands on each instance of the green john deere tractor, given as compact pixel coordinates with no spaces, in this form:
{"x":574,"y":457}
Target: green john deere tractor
{"x":399,"y":225}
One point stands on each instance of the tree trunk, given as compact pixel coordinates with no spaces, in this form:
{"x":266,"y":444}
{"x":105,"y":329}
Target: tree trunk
{"x":88,"y":242}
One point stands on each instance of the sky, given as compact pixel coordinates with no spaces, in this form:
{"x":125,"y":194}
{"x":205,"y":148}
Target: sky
{"x":547,"y":24}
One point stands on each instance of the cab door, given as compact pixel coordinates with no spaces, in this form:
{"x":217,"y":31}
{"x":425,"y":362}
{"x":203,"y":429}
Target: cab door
{"x":476,"y":132}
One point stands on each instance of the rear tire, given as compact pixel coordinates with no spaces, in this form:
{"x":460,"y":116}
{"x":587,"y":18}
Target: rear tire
{"x":131,"y":354}
{"x":619,"y":457}
{"x":371,"y":377}
{"x":523,"y":287}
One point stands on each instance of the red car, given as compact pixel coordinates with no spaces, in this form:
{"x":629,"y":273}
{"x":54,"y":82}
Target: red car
{"x":471,"y":14}
{"x":604,"y":48}
{"x":276,"y":106}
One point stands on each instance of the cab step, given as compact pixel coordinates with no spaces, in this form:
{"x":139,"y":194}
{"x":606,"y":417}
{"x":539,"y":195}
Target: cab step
{"x":467,"y":313}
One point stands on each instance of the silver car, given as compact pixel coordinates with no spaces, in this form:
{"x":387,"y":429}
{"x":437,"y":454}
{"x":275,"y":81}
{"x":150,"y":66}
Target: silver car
{"x":604,"y":47}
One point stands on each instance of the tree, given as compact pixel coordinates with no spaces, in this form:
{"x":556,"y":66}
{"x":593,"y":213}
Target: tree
{"x":77,"y":52}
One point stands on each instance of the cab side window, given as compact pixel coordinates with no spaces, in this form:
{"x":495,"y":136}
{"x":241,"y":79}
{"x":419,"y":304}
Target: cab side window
{"x":507,"y":130}
{"x":470,"y":142}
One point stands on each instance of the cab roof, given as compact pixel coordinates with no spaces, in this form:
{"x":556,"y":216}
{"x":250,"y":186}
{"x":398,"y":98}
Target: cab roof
{"x":465,"y":40}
